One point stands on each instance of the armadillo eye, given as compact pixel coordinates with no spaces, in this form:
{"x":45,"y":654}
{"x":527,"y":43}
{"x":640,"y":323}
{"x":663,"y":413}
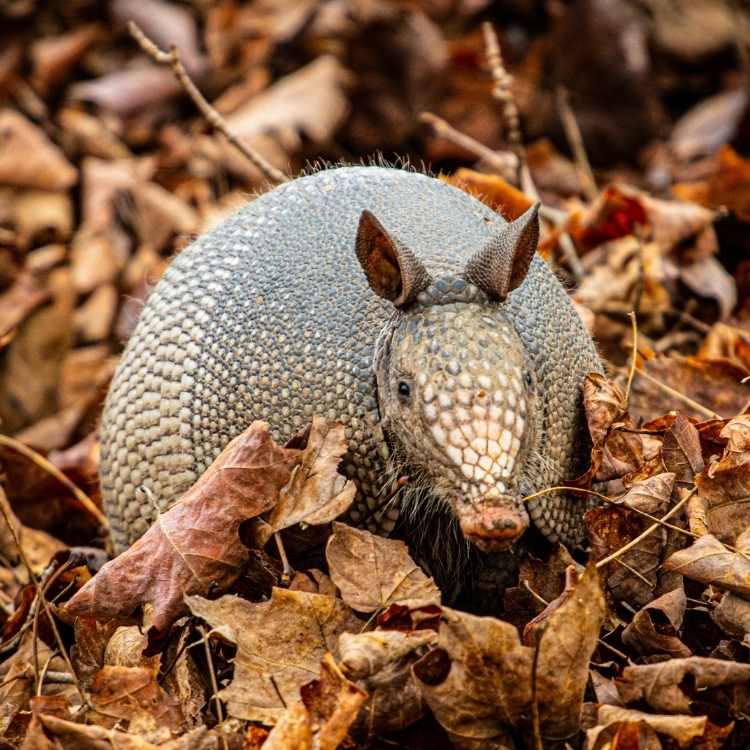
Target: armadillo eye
{"x":527,"y":378}
{"x":404,"y":390}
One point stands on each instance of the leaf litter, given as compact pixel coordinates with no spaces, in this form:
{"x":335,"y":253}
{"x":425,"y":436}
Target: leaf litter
{"x":248,"y":615}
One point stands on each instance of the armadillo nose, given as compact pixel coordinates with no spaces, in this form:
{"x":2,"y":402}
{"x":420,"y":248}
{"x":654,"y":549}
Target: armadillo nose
{"x":493,"y":528}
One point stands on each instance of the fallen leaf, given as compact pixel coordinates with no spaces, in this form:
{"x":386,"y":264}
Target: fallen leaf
{"x":663,"y":685}
{"x":372,"y":572}
{"x":632,"y":575}
{"x":293,"y":730}
{"x":683,"y":729}
{"x":478,"y":680}
{"x":725,"y":486}
{"x":317,"y":493}
{"x":654,"y":628}
{"x":333,"y":702}
{"x":707,"y":560}
{"x":132,"y":695}
{"x":194,"y":547}
{"x":681,"y":450}
{"x":310,"y":102}
{"x":380,"y":661}
{"x":280,"y":644}
{"x":28,"y":158}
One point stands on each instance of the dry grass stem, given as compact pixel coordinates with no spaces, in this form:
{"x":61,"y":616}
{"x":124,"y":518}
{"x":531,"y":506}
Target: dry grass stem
{"x":681,"y":396}
{"x":51,"y":469}
{"x":575,"y":140}
{"x":172,"y":59}
{"x":41,"y":599}
{"x":650,"y":530}
{"x":633,"y":361}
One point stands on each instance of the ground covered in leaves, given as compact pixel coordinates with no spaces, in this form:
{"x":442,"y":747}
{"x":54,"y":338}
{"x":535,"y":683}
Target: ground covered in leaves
{"x":248,"y":615}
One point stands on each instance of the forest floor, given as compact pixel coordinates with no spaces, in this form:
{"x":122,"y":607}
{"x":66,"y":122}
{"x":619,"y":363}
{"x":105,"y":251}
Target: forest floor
{"x":629,"y":121}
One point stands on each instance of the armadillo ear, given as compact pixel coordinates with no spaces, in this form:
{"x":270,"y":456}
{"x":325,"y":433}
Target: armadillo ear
{"x":392,"y":270}
{"x":502,"y":264}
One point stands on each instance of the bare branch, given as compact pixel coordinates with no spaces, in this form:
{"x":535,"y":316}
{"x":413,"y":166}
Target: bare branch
{"x":172,"y":59}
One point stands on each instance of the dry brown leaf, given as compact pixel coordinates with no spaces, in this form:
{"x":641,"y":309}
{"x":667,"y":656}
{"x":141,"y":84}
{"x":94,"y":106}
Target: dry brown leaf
{"x":70,"y":735}
{"x":683,"y":729}
{"x":380,"y":661}
{"x":659,"y":635}
{"x":333,"y":702}
{"x":373,"y":572}
{"x":724,"y":487}
{"x":280,"y":644}
{"x":708,"y":278}
{"x":707,"y":560}
{"x":716,"y":385}
{"x":681,"y":450}
{"x":663,"y":685}
{"x":293,"y":730}
{"x":133,"y":695}
{"x":477,"y":682}
{"x":317,"y":493}
{"x":29,"y":159}
{"x":493,"y":190}
{"x":732,"y":615}
{"x":194,"y":546}
{"x":310,"y":102}
{"x":611,"y":527}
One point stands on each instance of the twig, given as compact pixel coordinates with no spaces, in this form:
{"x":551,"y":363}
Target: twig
{"x":570,"y":254}
{"x":502,"y":93}
{"x":43,"y":600}
{"x":51,"y":469}
{"x":650,"y":530}
{"x":681,"y":396}
{"x":214,"y":685}
{"x":501,"y":164}
{"x":612,"y":501}
{"x":287,"y":570}
{"x":172,"y":59}
{"x":575,"y":140}
{"x":633,"y":361}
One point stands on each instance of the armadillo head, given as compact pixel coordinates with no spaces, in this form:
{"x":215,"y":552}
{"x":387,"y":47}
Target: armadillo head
{"x":455,"y":389}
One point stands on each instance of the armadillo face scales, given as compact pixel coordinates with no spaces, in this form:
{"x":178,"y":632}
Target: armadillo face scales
{"x":269,"y":316}
{"x":455,"y":386}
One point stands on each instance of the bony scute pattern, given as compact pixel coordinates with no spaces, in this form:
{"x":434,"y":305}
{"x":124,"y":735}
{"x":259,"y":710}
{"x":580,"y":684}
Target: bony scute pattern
{"x":270,"y":316}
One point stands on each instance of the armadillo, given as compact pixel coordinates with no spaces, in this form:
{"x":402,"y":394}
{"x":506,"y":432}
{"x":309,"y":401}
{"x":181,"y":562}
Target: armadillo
{"x":387,"y":300}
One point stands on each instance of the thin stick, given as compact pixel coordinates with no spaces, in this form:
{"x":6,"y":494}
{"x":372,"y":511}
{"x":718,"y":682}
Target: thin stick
{"x":570,"y":254}
{"x":633,"y":361}
{"x":214,"y":685}
{"x":51,"y":469}
{"x":681,"y":396}
{"x":287,"y":570}
{"x":494,"y":160}
{"x":650,"y":530}
{"x":612,"y":501}
{"x":575,"y":140}
{"x":502,"y":93}
{"x":172,"y":59}
{"x":40,"y":594}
